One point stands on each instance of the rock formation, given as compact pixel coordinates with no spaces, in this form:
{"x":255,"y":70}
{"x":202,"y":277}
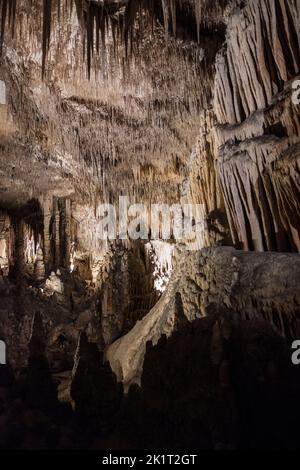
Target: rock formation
{"x":255,"y":286}
{"x":191,"y":105}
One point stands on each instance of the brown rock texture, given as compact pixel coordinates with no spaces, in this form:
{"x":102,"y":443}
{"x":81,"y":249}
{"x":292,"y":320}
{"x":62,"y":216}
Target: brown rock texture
{"x":169,"y":102}
{"x":257,"y":125}
{"x":257,"y":286}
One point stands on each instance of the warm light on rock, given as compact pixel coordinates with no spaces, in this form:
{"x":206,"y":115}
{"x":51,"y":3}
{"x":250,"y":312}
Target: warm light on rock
{"x":149,"y":225}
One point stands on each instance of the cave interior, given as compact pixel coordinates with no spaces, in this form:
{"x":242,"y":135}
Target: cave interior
{"x":149,"y":342}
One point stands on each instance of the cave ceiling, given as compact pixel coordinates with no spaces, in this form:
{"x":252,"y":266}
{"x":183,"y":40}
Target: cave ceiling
{"x":103,"y":97}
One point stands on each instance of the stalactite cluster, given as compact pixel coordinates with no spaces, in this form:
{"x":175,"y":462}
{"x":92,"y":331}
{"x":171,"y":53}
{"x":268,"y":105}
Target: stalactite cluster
{"x":124,"y":20}
{"x":7,"y":14}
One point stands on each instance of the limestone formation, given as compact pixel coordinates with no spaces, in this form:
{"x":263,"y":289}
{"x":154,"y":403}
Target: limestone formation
{"x":165,"y":340}
{"x":255,"y":286}
{"x":39,"y":266}
{"x":94,"y":388}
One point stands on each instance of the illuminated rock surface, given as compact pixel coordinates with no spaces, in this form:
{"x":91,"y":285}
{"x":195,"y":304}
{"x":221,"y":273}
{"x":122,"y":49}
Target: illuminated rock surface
{"x":169,"y":102}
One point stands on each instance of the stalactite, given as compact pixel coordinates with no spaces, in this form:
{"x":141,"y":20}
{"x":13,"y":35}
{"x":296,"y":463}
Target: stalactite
{"x":68,"y":241}
{"x":12,"y":15}
{"x":198,"y":17}
{"x":165,"y":6}
{"x":3,"y":7}
{"x":19,"y":247}
{"x":173,"y":16}
{"x":122,"y":18}
{"x":169,"y":8}
{"x":47,"y":11}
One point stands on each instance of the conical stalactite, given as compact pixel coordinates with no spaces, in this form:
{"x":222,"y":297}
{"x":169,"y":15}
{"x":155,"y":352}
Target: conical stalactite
{"x":3,"y":6}
{"x":7,"y":14}
{"x":198,"y":17}
{"x":47,"y":10}
{"x":12,"y":14}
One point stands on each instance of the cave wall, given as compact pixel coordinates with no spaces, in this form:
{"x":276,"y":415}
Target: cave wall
{"x":256,"y":129}
{"x":254,"y":286}
{"x":212,"y":123}
{"x":135,"y":123}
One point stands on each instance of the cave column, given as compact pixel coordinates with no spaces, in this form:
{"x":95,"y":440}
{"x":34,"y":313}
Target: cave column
{"x":3,"y":241}
{"x":47,"y":208}
{"x":67,"y":233}
{"x":57,"y":220}
{"x":19,"y":247}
